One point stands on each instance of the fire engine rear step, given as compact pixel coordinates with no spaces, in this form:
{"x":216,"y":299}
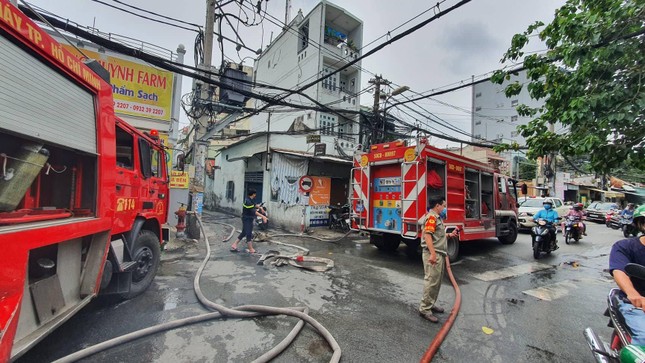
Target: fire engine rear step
{"x":127,"y":266}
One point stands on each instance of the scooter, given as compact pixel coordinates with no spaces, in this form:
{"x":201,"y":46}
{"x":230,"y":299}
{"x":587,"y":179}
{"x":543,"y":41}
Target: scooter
{"x":572,"y":229}
{"x":339,"y":217}
{"x":541,"y":238}
{"x":627,"y":226}
{"x":259,"y":221}
{"x":620,"y":350}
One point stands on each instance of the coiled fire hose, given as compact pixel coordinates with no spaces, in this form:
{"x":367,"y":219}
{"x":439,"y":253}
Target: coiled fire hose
{"x":244,"y":311}
{"x":445,"y":328}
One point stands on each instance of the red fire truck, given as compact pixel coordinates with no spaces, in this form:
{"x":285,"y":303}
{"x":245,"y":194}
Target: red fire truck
{"x":392,"y":183}
{"x":83,"y":195}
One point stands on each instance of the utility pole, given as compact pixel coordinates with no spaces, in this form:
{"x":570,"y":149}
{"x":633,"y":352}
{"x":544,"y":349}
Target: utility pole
{"x":200,"y":147}
{"x":552,"y":166}
{"x":287,"y":12}
{"x":266,"y":164}
{"x":377,"y":81}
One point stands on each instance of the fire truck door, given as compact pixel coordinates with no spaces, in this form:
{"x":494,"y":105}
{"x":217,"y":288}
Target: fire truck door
{"x":152,"y":168}
{"x":127,"y":176}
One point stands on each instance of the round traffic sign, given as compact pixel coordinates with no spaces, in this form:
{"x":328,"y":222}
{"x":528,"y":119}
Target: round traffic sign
{"x":306,"y":184}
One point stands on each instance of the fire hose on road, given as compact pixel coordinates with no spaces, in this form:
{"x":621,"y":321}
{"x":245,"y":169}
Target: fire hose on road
{"x":244,"y":311}
{"x":445,"y":328}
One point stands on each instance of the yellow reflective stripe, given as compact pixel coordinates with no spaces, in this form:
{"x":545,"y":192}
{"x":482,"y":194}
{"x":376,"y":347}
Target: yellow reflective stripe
{"x":247,"y":206}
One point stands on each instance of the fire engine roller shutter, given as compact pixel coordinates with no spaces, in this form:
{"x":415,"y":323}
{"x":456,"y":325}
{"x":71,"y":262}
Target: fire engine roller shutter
{"x":37,"y":101}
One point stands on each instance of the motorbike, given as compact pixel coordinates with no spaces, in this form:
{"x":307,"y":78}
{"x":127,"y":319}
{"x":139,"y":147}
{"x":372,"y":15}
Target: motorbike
{"x":627,"y":226}
{"x":259,"y":221}
{"x":620,"y":349}
{"x":572,"y":229}
{"x":541,"y":238}
{"x":339,"y":217}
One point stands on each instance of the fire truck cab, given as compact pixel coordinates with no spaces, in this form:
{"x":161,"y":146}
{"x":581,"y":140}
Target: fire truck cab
{"x":83,"y":195}
{"x":392,"y":183}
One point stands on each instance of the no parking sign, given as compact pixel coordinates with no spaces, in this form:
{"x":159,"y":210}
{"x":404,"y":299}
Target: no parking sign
{"x":306,"y":184}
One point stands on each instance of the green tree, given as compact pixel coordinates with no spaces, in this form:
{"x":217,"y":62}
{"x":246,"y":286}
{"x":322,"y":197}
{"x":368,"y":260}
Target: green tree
{"x":591,"y":80}
{"x":528,"y":169}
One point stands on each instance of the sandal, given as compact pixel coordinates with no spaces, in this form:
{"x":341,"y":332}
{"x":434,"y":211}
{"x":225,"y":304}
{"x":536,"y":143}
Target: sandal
{"x":250,"y":252}
{"x":234,"y":250}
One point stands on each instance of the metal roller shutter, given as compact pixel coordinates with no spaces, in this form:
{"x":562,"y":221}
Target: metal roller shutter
{"x":37,"y":101}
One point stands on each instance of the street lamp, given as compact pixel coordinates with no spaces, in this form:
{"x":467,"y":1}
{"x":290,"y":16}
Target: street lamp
{"x":396,"y":92}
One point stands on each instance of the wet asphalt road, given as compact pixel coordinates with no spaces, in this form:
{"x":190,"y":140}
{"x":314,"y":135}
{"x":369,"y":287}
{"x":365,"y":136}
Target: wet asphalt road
{"x":368,"y":301}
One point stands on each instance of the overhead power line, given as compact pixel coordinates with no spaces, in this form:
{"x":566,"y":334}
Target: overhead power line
{"x":173,"y":66}
{"x":376,"y":49}
{"x":197,"y":30}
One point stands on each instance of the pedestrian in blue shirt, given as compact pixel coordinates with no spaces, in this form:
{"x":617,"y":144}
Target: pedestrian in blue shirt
{"x":631,"y":250}
{"x":551,"y":216}
{"x":249,"y":212}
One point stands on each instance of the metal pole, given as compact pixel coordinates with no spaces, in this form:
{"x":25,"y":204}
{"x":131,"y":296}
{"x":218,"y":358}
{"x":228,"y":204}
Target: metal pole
{"x":266,"y":164}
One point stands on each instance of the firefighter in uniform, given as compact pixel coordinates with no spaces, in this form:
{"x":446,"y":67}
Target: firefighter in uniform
{"x":249,"y":212}
{"x":434,"y":244}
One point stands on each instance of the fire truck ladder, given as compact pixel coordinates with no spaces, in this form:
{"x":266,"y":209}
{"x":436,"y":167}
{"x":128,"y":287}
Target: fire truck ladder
{"x":360,"y":217}
{"x":409,"y":184}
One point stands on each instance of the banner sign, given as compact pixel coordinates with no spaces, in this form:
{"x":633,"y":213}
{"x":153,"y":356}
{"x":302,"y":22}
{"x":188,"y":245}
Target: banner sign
{"x":321,"y":192}
{"x":179,"y":179}
{"x":139,"y":90}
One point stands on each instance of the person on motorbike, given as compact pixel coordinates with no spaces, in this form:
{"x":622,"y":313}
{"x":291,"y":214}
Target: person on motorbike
{"x":550,"y":216}
{"x":628,"y":212}
{"x":577,"y":212}
{"x":631,"y":250}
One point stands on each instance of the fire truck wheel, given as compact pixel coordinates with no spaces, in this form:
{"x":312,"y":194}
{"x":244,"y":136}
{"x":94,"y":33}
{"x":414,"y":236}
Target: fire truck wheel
{"x":510,"y":238}
{"x":453,"y":248}
{"x":147,"y":256}
{"x":386,"y":242}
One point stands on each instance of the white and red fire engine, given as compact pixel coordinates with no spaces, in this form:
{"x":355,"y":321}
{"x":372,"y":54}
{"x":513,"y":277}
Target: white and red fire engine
{"x":392,"y":183}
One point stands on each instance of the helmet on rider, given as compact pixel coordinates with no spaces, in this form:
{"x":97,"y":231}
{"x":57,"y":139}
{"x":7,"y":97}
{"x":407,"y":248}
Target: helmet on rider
{"x":547,"y":204}
{"x":577,"y":206}
{"x":639,"y":218}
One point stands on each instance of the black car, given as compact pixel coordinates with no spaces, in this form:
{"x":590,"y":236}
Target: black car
{"x":597,"y":211}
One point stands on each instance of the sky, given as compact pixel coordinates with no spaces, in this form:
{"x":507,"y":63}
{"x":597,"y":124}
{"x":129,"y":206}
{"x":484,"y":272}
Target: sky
{"x":469,"y":41}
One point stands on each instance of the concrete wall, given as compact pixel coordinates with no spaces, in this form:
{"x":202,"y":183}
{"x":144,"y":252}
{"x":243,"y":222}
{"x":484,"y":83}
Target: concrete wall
{"x":233,"y":164}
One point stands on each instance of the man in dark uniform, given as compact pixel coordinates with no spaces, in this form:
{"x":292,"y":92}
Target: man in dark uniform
{"x":249,"y":212}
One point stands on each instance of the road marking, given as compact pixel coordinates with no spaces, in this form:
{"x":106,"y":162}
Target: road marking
{"x":512,"y":271}
{"x":559,"y":289}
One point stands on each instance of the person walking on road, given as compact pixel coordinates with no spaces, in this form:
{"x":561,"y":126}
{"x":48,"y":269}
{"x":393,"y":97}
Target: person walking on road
{"x":249,"y":212}
{"x":434,"y":244}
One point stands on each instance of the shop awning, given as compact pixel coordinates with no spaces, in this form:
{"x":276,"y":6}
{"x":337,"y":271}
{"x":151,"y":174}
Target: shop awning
{"x":311,"y":156}
{"x":609,"y":193}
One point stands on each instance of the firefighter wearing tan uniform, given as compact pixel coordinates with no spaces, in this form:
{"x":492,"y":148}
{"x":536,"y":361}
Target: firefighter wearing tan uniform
{"x":434,"y":245}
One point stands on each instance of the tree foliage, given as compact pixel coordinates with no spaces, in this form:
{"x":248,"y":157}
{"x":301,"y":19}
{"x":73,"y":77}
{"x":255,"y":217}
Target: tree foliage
{"x":591,"y":80}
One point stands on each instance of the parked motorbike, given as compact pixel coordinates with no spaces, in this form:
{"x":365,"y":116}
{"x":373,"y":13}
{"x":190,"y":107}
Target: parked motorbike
{"x":339,"y":217}
{"x":542,"y":241}
{"x":572,"y":229}
{"x":627,"y":226}
{"x":259,"y":221}
{"x":620,"y":349}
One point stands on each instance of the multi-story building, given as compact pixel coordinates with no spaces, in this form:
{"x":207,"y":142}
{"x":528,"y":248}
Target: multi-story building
{"x":312,"y":46}
{"x":287,"y":145}
{"x":494,"y":117}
